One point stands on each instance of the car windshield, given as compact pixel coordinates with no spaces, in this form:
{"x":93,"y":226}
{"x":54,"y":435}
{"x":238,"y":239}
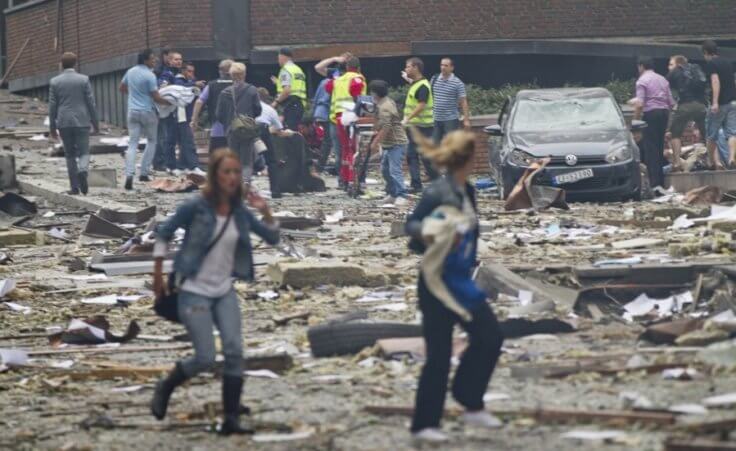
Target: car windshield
{"x":533,"y":115}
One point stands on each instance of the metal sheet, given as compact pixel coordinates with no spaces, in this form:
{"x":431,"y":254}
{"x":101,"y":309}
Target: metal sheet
{"x":128,"y":217}
{"x":101,"y":228}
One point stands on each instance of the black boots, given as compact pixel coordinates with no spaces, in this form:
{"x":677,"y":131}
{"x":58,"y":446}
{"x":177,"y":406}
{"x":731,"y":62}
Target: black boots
{"x":164,"y":389}
{"x":129,"y":183}
{"x":232,"y":386}
{"x":83,"y":186}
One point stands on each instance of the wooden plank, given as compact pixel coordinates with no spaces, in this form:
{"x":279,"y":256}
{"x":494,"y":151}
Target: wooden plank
{"x":705,"y":427}
{"x":15,"y":61}
{"x":551,"y":415}
{"x":675,"y":444}
{"x":686,"y":181}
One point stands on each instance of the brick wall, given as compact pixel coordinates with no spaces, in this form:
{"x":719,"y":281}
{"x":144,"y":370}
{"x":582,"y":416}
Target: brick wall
{"x":102,"y":29}
{"x":277,"y":22}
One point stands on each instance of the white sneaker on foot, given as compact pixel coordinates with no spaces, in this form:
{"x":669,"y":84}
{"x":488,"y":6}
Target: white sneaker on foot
{"x":389,"y":200}
{"x":401,"y":201}
{"x":176,"y":172}
{"x":482,"y":419}
{"x":198,"y":171}
{"x":430,"y":435}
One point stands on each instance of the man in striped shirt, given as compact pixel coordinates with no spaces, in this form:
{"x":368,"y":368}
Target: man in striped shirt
{"x":449,"y":95}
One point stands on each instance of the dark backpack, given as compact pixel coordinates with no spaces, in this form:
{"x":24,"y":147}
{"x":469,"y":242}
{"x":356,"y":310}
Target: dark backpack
{"x":695,"y":81}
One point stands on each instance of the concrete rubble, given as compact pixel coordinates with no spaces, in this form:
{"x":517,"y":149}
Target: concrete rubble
{"x":589,"y":295}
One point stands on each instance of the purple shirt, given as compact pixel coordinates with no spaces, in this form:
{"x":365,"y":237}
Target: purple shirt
{"x":218,"y":130}
{"x":653,"y":91}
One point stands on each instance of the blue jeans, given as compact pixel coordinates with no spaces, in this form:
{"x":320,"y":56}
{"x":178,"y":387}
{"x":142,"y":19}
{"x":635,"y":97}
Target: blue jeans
{"x":187,"y":148}
{"x":199,"y":315}
{"x":725,"y":119}
{"x":159,"y":162}
{"x":393,"y":158}
{"x":721,"y":140}
{"x":141,"y":123}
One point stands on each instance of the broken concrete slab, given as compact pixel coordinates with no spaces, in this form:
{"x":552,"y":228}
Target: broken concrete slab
{"x":298,"y":223}
{"x":128,"y":217}
{"x":495,"y":279}
{"x":313,"y":273}
{"x":129,"y":268}
{"x":37,"y":186}
{"x":102,"y":178}
{"x":683,"y":182}
{"x":17,"y":205}
{"x":16,"y":237}
{"x":637,"y":243}
{"x":101,"y":228}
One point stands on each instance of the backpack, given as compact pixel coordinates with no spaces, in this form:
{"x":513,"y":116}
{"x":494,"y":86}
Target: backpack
{"x":695,"y":79}
{"x":244,"y":128}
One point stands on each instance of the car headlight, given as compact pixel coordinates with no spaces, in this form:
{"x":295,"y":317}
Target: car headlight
{"x":619,"y":154}
{"x":520,"y":158}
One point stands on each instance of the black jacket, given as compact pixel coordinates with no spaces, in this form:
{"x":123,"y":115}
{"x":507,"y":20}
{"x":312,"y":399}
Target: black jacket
{"x":248,"y":103}
{"x":441,"y":192}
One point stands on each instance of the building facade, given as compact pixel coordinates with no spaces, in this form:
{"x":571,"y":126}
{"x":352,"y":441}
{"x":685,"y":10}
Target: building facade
{"x":500,"y":38}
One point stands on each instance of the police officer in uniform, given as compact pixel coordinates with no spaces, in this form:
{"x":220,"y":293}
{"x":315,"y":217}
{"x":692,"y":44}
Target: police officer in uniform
{"x":291,"y":89}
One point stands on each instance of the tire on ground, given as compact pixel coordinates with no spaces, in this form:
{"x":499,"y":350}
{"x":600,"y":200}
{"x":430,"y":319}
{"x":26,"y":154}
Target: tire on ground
{"x":351,"y":337}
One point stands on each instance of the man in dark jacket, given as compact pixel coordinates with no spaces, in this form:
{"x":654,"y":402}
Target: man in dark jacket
{"x":239,"y":99}
{"x":689,"y":82}
{"x":72,"y":111}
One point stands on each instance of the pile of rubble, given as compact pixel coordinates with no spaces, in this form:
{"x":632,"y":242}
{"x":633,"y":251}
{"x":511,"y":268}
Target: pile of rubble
{"x":619,"y":321}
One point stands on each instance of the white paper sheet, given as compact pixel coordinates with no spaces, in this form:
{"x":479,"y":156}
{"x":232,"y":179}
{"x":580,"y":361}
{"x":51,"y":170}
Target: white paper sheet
{"x":13,"y":357}
{"x":6,"y":286}
{"x":18,"y":308}
{"x":262,"y":373}
{"x":594,"y":435}
{"x":721,"y":400}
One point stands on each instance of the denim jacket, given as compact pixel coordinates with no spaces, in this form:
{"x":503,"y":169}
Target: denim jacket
{"x":198,"y":218}
{"x":441,"y":192}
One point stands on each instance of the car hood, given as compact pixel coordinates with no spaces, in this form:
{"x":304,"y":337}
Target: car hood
{"x":581,"y":142}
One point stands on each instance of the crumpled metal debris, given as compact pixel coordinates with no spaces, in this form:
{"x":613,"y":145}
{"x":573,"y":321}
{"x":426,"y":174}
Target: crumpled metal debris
{"x":539,"y":197}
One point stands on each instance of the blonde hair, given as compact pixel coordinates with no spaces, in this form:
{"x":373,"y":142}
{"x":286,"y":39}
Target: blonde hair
{"x":454,"y":152}
{"x":237,"y":71}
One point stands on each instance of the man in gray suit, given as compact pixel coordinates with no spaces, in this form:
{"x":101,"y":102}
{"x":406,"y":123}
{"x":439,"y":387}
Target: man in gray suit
{"x":71,"y":111}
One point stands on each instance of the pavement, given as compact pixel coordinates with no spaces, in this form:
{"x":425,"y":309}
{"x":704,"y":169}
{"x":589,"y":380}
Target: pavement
{"x":590,"y":261}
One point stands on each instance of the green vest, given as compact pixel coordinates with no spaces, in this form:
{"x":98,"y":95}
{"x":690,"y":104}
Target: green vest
{"x":425,"y":118}
{"x":341,"y":100}
{"x":298,"y":81}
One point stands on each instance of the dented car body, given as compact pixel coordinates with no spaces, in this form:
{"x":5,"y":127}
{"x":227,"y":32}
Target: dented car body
{"x":592,"y":153}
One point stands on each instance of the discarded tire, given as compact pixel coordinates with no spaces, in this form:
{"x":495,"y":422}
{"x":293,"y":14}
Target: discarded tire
{"x":351,"y":337}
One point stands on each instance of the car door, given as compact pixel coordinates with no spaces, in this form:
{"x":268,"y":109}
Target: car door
{"x":495,"y":143}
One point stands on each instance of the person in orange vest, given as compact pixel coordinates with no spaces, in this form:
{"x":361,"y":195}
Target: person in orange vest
{"x":344,"y":91}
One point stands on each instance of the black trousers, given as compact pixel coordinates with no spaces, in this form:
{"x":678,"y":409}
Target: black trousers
{"x":326,"y":148}
{"x":652,"y":151}
{"x":413,"y":157}
{"x":217,"y":142}
{"x":476,"y":365}
{"x":293,"y":113}
{"x":271,"y":162}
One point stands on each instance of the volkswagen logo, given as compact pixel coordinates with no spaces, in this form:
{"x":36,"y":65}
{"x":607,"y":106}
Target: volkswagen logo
{"x":571,"y":160}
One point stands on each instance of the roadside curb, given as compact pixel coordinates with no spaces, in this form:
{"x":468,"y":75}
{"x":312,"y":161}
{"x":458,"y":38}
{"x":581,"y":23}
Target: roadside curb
{"x":57,"y":194}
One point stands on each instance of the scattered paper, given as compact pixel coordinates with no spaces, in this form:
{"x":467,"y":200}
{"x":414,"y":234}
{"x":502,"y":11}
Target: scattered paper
{"x":58,"y":233}
{"x":619,"y":261}
{"x":724,"y":317}
{"x":129,"y":389}
{"x":18,"y":308}
{"x":720,"y":400}
{"x":332,"y":378}
{"x":6,"y":286}
{"x":268,"y":295}
{"x":525,"y":297}
{"x":682,"y":222}
{"x":49,"y":214}
{"x":680,"y":374}
{"x":13,"y":357}
{"x":262,"y":373}
{"x":110,"y":299}
{"x":62,"y":364}
{"x":263,"y":438}
{"x":77,"y":324}
{"x":38,"y":138}
{"x":643,"y":305}
{"x":491,"y":397}
{"x":689,"y":409}
{"x":87,"y":277}
{"x":335,"y":217}
{"x":131,"y":298}
{"x":594,"y":435}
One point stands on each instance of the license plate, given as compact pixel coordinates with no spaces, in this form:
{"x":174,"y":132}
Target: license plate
{"x":572,"y":177}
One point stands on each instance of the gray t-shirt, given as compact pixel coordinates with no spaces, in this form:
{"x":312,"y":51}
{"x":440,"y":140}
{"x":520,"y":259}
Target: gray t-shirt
{"x":215,"y":277}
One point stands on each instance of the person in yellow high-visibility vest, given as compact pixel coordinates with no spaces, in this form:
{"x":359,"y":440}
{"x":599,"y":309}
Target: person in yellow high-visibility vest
{"x":344,"y":91}
{"x":291,"y":87}
{"x":418,"y":113}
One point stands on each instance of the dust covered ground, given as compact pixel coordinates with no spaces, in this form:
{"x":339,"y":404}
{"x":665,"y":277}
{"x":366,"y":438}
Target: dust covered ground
{"x":96,"y":397}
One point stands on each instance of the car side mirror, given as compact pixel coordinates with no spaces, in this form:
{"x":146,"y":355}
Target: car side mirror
{"x":637,"y":126}
{"x":493,"y":130}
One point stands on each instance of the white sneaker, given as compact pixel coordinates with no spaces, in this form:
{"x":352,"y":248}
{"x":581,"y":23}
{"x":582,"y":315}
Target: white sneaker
{"x":389,"y":200}
{"x":430,"y":435}
{"x":482,"y":419}
{"x":197,"y":171}
{"x":176,"y":172}
{"x":401,"y":201}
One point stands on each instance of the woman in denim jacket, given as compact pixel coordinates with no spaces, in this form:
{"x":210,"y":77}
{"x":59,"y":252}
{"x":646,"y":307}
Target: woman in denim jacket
{"x":206,"y":294}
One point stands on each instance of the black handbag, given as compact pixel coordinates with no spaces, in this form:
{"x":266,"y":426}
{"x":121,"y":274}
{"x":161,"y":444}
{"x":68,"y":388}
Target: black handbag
{"x":167,"y":306}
